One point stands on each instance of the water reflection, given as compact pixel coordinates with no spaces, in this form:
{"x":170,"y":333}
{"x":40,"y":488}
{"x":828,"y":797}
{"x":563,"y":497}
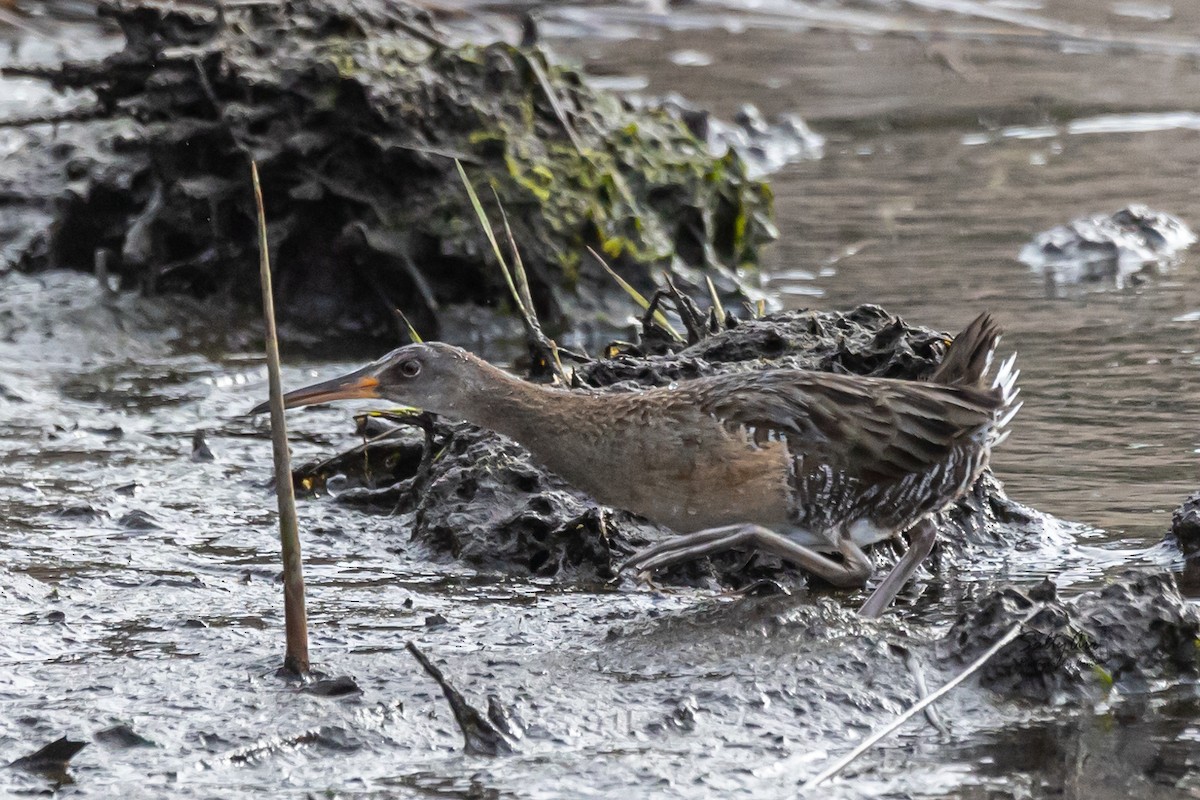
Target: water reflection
{"x":1145,"y":746}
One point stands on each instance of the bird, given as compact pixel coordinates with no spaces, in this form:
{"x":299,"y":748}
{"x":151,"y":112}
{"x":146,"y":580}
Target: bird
{"x":802,"y":464}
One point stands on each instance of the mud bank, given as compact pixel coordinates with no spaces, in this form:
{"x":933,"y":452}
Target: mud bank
{"x":1137,"y":628}
{"x":355,"y":113}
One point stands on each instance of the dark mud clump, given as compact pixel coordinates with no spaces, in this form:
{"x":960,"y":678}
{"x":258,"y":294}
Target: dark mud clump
{"x":1185,"y":535}
{"x":1185,"y":526}
{"x":864,"y":341}
{"x":483,"y":500}
{"x":1123,"y":248}
{"x":1136,"y":629}
{"x":355,"y":113}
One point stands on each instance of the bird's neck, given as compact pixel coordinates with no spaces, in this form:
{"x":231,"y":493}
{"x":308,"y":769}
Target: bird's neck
{"x":523,"y":411}
{"x":569,"y":433}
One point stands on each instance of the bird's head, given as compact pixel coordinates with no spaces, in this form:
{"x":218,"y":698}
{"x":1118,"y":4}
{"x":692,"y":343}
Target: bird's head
{"x":432,"y":376}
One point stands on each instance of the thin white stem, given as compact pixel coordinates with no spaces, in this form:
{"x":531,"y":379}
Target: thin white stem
{"x":920,"y":706}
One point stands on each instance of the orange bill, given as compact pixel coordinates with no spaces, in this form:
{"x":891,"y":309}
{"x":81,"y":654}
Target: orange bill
{"x":360,"y":384}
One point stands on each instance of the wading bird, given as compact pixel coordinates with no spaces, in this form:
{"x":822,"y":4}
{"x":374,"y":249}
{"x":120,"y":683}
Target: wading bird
{"x":797,"y":463}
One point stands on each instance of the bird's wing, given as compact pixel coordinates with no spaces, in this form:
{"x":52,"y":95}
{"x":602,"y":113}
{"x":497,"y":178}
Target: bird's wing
{"x":872,"y":427}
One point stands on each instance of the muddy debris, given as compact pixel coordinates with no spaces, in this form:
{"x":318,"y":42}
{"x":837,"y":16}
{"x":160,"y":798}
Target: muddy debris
{"x":201,"y":452}
{"x":483,"y":501}
{"x":681,"y":719}
{"x":337,"y":686}
{"x":327,"y":737}
{"x":481,"y":735}
{"x":765,"y":146}
{"x":52,"y":760}
{"x":138,"y":520}
{"x":1136,"y":629}
{"x":122,"y":736}
{"x":1122,"y":249}
{"x":79,"y":512}
{"x":355,"y":113}
{"x":1185,"y":526}
{"x":866,"y":340}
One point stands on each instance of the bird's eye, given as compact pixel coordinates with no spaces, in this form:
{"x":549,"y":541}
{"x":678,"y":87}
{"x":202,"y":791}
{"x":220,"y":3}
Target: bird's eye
{"x":410,"y":369}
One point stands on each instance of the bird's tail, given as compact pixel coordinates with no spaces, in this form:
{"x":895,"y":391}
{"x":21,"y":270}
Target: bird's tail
{"x":970,"y":355}
{"x":967,"y":363}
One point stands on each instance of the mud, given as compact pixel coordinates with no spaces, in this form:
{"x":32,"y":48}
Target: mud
{"x":174,"y":634}
{"x":480,"y":498}
{"x":1133,"y":631}
{"x":355,"y":114}
{"x":765,"y":146}
{"x":1184,"y":539}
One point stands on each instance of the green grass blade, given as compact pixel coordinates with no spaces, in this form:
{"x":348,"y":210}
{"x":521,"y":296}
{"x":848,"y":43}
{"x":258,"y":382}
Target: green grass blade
{"x":412,"y":332}
{"x":637,"y":296}
{"x":520,"y":286}
{"x":491,"y":235}
{"x":718,"y":309}
{"x":518,"y":264}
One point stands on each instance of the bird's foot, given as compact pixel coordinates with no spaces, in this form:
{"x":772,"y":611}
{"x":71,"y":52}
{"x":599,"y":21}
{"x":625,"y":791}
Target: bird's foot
{"x":763,"y":587}
{"x":646,"y":579}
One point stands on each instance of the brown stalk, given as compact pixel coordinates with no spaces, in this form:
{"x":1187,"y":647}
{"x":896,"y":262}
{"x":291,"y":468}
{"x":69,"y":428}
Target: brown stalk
{"x":295,"y":618}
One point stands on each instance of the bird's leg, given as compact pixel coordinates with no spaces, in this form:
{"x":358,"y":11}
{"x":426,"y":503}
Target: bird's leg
{"x":711,"y":538}
{"x":921,"y":538}
{"x":853,"y":572}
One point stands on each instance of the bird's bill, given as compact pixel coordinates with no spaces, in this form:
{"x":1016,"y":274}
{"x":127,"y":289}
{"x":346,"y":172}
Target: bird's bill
{"x":358,"y":385}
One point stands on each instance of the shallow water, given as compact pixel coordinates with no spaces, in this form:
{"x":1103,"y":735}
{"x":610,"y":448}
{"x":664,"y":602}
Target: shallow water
{"x":951,"y":140}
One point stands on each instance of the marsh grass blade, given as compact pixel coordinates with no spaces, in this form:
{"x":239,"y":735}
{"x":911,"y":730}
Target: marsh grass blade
{"x":518,"y":283}
{"x":412,"y":332}
{"x":637,"y":296}
{"x":717,"y":307}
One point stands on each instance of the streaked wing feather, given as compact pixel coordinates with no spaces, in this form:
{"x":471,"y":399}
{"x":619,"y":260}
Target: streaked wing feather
{"x":876,"y":428}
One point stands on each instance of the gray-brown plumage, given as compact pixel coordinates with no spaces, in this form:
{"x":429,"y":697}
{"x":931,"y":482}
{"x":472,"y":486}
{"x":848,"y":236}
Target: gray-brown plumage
{"x":795,"y":462}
